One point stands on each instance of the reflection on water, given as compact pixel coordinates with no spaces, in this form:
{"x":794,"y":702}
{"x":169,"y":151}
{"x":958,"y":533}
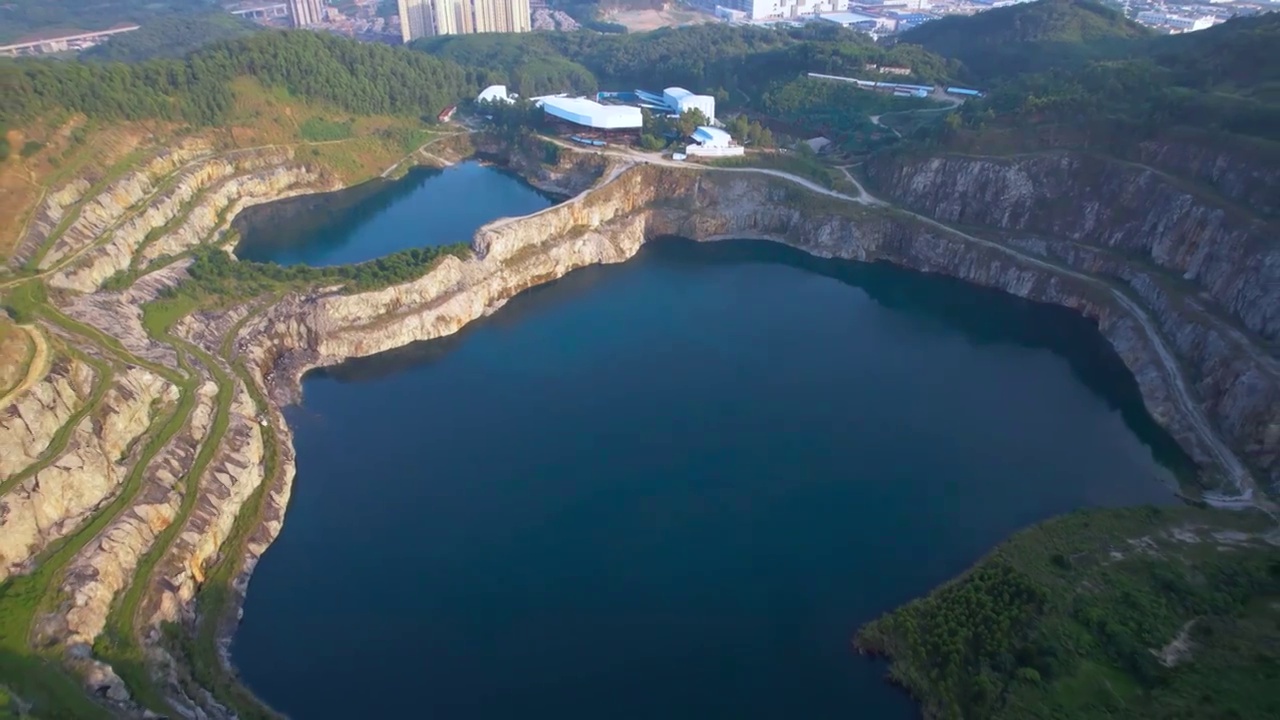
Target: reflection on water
{"x":427,"y":207}
{"x":984,"y":315}
{"x":673,"y":488}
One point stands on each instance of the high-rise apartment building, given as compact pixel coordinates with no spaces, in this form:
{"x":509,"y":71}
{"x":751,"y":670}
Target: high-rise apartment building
{"x":422,"y":18}
{"x":502,"y":15}
{"x":416,"y":20}
{"x":306,"y":13}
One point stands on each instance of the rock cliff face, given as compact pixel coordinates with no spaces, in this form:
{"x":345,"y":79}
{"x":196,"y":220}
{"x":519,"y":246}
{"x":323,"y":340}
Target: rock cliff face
{"x":104,"y":567}
{"x":1243,"y":172}
{"x":103,"y":210}
{"x":195,"y":203}
{"x":1095,"y":202}
{"x":29,"y":424}
{"x":56,"y":498}
{"x":610,"y":223}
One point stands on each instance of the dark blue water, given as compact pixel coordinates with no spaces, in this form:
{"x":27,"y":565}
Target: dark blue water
{"x":673,"y":489}
{"x":427,"y":207}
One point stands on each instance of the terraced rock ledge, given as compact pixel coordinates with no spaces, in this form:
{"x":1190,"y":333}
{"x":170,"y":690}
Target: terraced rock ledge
{"x":148,"y":466}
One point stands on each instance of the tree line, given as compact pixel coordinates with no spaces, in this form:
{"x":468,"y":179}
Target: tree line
{"x":356,"y":77}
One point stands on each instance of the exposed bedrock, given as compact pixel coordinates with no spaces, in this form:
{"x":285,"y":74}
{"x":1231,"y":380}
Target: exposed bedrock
{"x":610,"y":223}
{"x":1145,"y":216}
{"x":1057,"y":228}
{"x":91,"y":469}
{"x":188,"y":211}
{"x":30,"y":422}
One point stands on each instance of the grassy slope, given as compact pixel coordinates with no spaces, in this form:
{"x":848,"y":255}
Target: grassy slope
{"x":1064,"y":620}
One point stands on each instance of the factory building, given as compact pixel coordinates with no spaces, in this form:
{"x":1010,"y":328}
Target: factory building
{"x":680,"y":100}
{"x":778,"y":9}
{"x":494,"y":93}
{"x":713,"y":142}
{"x":592,"y":115}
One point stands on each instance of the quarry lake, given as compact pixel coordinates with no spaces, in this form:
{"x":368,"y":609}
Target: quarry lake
{"x":426,"y":207}
{"x":674,"y":488}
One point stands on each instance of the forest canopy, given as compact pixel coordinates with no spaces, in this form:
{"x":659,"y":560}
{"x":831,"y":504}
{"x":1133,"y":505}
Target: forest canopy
{"x":352,"y":76}
{"x":19,"y":18}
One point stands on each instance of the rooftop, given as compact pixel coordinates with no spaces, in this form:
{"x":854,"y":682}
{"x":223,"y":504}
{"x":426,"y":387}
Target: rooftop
{"x":711,"y":136}
{"x":592,"y":114}
{"x":677,"y":92}
{"x":847,"y":18}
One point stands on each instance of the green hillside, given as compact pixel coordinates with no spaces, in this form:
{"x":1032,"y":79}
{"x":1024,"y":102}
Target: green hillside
{"x":171,"y":37}
{"x":1221,"y":84}
{"x":358,"y":77}
{"x":1029,"y":37}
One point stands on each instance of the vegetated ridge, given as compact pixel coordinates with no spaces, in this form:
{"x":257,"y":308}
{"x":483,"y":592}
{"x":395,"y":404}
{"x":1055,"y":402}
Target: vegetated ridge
{"x":1019,"y":39}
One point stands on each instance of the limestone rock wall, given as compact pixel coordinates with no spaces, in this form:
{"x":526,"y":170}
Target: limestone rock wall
{"x":106,"y":566}
{"x":103,"y":211}
{"x":29,"y":424}
{"x":1106,"y":203}
{"x":1244,"y":172}
{"x":230,"y":478}
{"x":198,"y":199}
{"x":57,"y":498}
{"x":609,"y":224}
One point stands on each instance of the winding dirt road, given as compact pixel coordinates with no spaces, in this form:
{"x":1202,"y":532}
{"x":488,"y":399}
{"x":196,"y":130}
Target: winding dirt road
{"x":36,"y":369}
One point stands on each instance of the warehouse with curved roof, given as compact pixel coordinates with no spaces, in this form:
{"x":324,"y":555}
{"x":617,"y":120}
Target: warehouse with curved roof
{"x":589,"y":113}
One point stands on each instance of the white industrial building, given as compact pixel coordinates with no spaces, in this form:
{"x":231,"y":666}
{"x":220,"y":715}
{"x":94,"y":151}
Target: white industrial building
{"x":713,"y":142}
{"x":1176,"y":22}
{"x":860,"y":21}
{"x":779,"y":9}
{"x":494,"y":93}
{"x":681,"y":100}
{"x":591,"y":114}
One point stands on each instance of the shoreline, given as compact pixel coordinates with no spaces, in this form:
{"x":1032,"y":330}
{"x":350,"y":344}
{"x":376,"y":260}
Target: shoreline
{"x":620,"y":204}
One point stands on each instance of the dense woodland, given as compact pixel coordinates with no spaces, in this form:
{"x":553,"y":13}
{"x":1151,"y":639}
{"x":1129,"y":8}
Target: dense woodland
{"x":19,"y":18}
{"x":355,"y":77}
{"x":1066,"y":620}
{"x":171,"y":36}
{"x":1221,"y":81}
{"x":737,"y":64}
{"x":1027,"y":38}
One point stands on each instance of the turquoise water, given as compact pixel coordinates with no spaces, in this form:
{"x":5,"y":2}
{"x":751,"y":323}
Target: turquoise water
{"x":674,"y":488}
{"x":427,"y":207}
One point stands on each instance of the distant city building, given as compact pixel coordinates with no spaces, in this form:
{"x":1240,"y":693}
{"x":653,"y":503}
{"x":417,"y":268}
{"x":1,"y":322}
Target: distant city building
{"x":424,"y":18}
{"x":259,"y":10}
{"x":895,"y":4}
{"x":415,"y":20}
{"x":779,"y":9}
{"x":306,"y":13}
{"x":860,"y":21}
{"x":1176,"y":23}
{"x":502,"y":16}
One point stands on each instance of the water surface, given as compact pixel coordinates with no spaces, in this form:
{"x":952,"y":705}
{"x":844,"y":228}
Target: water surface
{"x":674,"y":488}
{"x":427,"y":207}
